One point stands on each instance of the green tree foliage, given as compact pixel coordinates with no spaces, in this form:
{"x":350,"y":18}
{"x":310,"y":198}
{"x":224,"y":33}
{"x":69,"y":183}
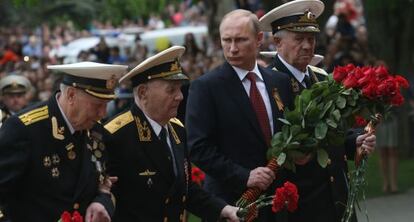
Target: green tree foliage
{"x":82,"y":12}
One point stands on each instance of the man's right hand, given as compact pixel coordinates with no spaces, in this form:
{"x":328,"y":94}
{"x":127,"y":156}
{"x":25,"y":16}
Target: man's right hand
{"x":261,"y":177}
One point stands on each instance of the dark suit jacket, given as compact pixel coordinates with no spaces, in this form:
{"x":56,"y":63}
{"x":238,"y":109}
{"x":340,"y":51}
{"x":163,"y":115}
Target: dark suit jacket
{"x":322,"y":192}
{"x":38,"y":180}
{"x":223,"y":132}
{"x":147,"y":189}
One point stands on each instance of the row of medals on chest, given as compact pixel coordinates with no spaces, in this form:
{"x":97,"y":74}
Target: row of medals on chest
{"x":94,"y":145}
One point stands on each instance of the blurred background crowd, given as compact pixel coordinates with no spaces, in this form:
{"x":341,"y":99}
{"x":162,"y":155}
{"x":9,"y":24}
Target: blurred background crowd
{"x":27,"y":49}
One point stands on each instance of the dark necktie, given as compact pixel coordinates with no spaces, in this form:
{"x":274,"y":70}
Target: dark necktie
{"x":259,"y":107}
{"x":307,"y":81}
{"x":163,"y":138}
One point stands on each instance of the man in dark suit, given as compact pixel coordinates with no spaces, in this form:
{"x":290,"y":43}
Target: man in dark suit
{"x":148,"y":150}
{"x":13,"y":89}
{"x":232,"y":113}
{"x":322,"y":191}
{"x":51,"y":154}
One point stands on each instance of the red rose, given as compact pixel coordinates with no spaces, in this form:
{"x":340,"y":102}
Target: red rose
{"x":66,"y":217}
{"x":381,"y":72}
{"x":370,"y":91}
{"x":367,"y":77}
{"x":350,"y":81}
{"x":197,"y":175}
{"x":349,"y":67}
{"x":360,"y":121}
{"x":387,"y":87}
{"x":278,"y":202}
{"x":76,"y":217}
{"x":339,"y":73}
{"x":397,"y":100}
{"x":401,"y":81}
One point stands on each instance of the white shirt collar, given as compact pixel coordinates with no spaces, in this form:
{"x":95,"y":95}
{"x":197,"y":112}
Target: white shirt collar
{"x":71,"y":129}
{"x":155,"y":126}
{"x":299,"y":75}
{"x":242,"y":73}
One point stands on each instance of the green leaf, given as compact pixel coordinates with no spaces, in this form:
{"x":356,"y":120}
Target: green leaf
{"x":285,"y":131}
{"x":322,"y":157}
{"x":295,"y":129}
{"x":293,"y":145}
{"x":309,"y":142}
{"x":340,"y":102}
{"x":294,"y":154}
{"x":301,"y":136}
{"x":285,"y":121}
{"x":281,"y":159}
{"x":325,"y":108}
{"x":290,"y":165}
{"x":320,"y":130}
{"x":277,"y":140}
{"x":331,"y":123}
{"x":306,"y":96}
{"x":293,"y":116}
{"x":336,"y":115}
{"x":347,"y":92}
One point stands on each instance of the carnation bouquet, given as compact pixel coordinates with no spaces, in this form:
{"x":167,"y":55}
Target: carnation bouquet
{"x":324,"y":113}
{"x":68,"y":217}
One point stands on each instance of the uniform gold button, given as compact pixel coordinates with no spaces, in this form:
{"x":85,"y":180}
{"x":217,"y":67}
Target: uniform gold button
{"x":332,"y":179}
{"x":167,"y":200}
{"x":76,"y":206}
{"x":329,"y":162}
{"x":184,"y":198}
{"x":165,"y":219}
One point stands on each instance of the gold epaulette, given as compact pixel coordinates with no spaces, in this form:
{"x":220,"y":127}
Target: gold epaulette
{"x":34,"y":115}
{"x":177,"y":122}
{"x":318,"y":70}
{"x":119,"y":122}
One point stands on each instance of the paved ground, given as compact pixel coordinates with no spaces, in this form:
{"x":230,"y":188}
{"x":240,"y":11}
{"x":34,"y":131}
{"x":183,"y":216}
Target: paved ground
{"x":390,"y":208}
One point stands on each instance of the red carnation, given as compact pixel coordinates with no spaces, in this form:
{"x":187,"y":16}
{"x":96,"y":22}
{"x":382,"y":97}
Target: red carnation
{"x":291,"y":195}
{"x":76,"y":217}
{"x":66,"y":217}
{"x":387,"y":87}
{"x":197,"y":175}
{"x":278,"y":200}
{"x":367,"y":77}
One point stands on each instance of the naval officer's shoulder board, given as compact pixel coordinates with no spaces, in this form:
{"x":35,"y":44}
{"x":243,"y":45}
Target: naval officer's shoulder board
{"x":34,"y":115}
{"x":119,"y":122}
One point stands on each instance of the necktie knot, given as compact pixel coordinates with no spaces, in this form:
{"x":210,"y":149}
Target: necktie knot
{"x":163,"y":134}
{"x":251,"y":76}
{"x":307,"y":81}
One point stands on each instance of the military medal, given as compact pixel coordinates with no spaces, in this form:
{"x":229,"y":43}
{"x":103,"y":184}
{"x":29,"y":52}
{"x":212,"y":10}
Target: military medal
{"x":149,"y":182}
{"x":278,"y":100}
{"x":97,"y":154}
{"x":55,"y":172}
{"x":46,"y":161}
{"x":71,"y":155}
{"x":71,"y":152}
{"x":295,"y":85}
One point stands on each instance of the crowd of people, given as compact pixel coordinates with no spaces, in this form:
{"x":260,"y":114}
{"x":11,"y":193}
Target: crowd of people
{"x":219,"y":71}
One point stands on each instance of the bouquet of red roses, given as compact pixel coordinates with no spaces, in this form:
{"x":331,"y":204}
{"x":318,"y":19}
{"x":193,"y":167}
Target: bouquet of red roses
{"x":324,"y":113}
{"x":68,"y":217}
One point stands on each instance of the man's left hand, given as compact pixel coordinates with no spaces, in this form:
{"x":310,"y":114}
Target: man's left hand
{"x":96,"y":212}
{"x":366,"y":143}
{"x":229,"y":213}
